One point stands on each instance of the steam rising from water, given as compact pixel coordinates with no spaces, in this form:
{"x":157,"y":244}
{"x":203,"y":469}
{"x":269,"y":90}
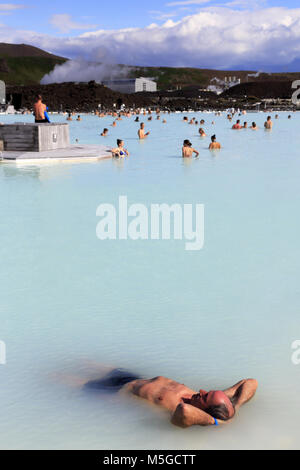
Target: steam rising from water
{"x":83,"y":71}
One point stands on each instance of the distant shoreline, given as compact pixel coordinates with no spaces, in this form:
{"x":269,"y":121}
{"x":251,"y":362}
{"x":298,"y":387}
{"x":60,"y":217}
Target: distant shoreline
{"x":89,"y":97}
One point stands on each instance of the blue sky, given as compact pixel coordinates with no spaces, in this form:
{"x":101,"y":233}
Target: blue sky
{"x":223,"y":34}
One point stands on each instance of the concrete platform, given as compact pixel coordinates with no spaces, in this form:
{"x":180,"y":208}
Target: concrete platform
{"x":73,"y":152}
{"x":34,"y":137}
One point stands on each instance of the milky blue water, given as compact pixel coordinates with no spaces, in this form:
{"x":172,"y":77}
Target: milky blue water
{"x":71,"y":303}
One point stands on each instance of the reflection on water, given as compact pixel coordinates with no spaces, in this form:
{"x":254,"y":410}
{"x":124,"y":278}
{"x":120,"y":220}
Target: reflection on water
{"x":11,"y":170}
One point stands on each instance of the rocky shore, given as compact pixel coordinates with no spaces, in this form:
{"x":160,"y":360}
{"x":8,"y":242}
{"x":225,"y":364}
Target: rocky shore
{"x":88,"y":97}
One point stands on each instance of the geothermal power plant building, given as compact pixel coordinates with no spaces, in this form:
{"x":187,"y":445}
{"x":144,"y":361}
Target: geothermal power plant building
{"x":131,"y":85}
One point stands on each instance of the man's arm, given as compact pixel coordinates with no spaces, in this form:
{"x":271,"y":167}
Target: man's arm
{"x":186,"y":415}
{"x":242,"y":392}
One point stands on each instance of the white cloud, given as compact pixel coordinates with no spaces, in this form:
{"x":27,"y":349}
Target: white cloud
{"x":214,"y":37}
{"x":64,"y":23}
{"x":245,"y":3}
{"x":8,"y":8}
{"x":187,"y":2}
{"x":159,"y":15}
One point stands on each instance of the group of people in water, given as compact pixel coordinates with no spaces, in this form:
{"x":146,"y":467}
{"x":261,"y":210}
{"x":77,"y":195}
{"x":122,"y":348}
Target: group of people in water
{"x":41,"y":116}
{"x":188,"y":150}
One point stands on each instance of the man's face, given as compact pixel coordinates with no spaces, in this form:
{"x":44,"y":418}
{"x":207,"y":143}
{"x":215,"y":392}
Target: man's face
{"x":205,"y":400}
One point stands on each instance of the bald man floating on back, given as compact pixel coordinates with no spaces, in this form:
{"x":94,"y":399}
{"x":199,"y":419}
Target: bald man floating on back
{"x":187,"y":407}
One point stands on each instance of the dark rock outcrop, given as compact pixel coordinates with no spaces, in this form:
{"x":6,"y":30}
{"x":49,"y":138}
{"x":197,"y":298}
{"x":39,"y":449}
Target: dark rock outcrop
{"x":271,"y":89}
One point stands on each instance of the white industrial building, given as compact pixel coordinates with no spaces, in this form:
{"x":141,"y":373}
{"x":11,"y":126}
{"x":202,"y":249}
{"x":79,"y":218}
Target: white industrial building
{"x":2,"y":92}
{"x":131,"y":85}
{"x":218,"y":86}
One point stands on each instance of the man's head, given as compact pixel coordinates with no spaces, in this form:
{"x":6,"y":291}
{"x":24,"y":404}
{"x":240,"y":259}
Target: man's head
{"x":213,"y":138}
{"x":215,"y":403}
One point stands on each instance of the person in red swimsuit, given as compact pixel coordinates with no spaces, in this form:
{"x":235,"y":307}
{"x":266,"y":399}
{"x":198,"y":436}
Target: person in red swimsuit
{"x":237,"y":126}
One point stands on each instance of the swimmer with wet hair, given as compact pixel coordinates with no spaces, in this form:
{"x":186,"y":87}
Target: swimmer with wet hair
{"x":214,"y":145}
{"x":237,"y":125}
{"x":120,"y":151}
{"x":268,"y":124}
{"x":186,"y":406}
{"x":254,"y":126}
{"x":105,"y":132}
{"x":141,"y":132}
{"x":188,"y":150}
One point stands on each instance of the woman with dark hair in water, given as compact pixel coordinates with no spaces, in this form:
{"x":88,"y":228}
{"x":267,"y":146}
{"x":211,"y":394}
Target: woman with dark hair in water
{"x":120,"y":151}
{"x":214,"y":144}
{"x":188,"y":150}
